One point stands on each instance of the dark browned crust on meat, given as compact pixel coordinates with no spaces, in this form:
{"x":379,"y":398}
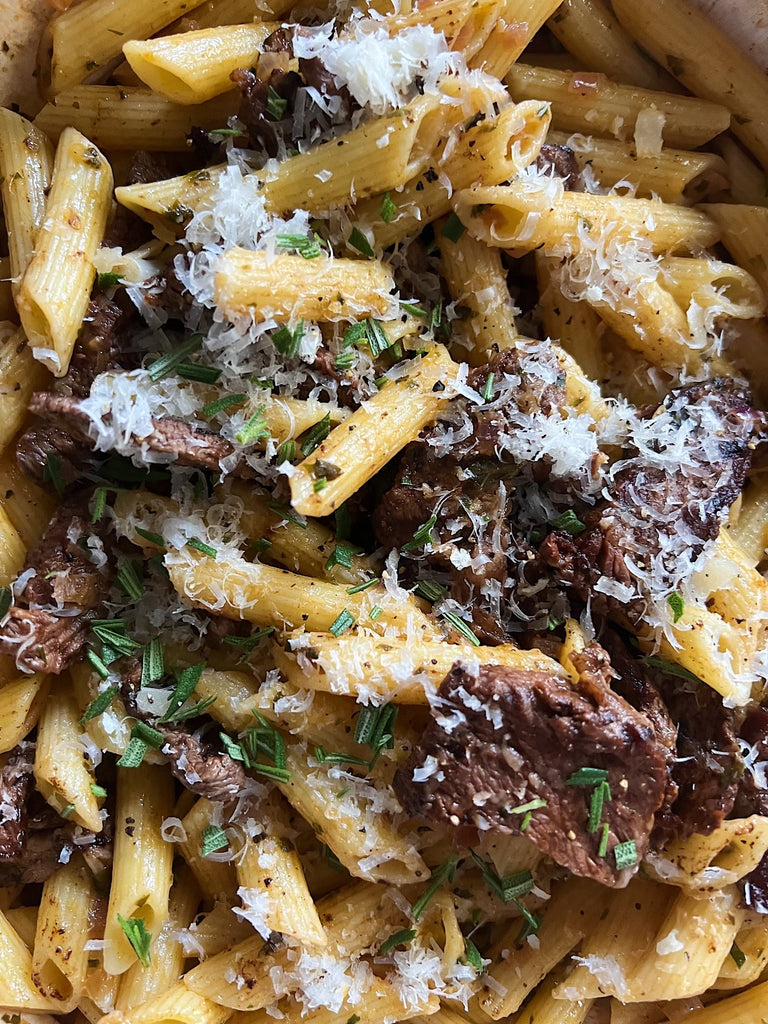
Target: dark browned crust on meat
{"x":548,"y":730}
{"x":559,"y":161}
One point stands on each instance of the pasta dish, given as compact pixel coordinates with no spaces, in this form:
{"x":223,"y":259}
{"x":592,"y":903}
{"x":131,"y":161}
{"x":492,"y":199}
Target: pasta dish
{"x":384,"y":516}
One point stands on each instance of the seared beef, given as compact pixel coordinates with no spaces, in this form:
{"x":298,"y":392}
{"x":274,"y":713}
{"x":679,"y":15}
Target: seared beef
{"x":254,"y":112}
{"x":755,"y":887}
{"x":188,"y":445}
{"x":656,"y":509}
{"x":752,"y":797}
{"x":49,"y":639}
{"x":193,"y":759}
{"x":32,"y":836}
{"x":559,"y":161}
{"x":39,"y":445}
{"x":501,"y":738}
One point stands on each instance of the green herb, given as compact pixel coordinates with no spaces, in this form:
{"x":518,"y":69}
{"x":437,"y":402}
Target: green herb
{"x":531,"y":923}
{"x":255,"y":429}
{"x":587,"y":777}
{"x":112,"y":633}
{"x":199,"y":545}
{"x":414,"y":310}
{"x":376,"y":728}
{"x":488,"y":389}
{"x":341,"y":555}
{"x":286,"y":512}
{"x":305,"y":246}
{"x":287,"y":341}
{"x":422,"y":535}
{"x":67,"y":812}
{"x":335,"y":757}
{"x":6,"y":599}
{"x":364,"y":586}
{"x":52,"y":473}
{"x":375,"y":613}
{"x":388,"y":209}
{"x":600,"y":794}
{"x":526,"y":821}
{"x":376,"y":336}
{"x":670,"y":668}
{"x":145,"y":733}
{"x":249,"y":643}
{"x":441,"y":875}
{"x":286,"y":451}
{"x":532,"y":805}
{"x":461,"y":627}
{"x":453,"y":229}
{"x":194,"y":371}
{"x":603,"y":847}
{"x":138,"y":936}
{"x":276,"y":105}
{"x":354,"y":334}
{"x":234,"y":750}
{"x":134,"y":753}
{"x":335,"y":863}
{"x":99,"y":704}
{"x":320,"y":484}
{"x":153,"y":538}
{"x":108,"y":280}
{"x":342,"y":622}
{"x":99,"y":503}
{"x":316,"y":435}
{"x":358,"y":241}
{"x":436,"y":316}
{"x":168,"y":363}
{"x":401,"y":938}
{"x":96,"y":663}
{"x":508,"y":888}
{"x":191,"y":710}
{"x":152,"y":662}
{"x":223,"y":403}
{"x":345,"y":360}
{"x":472,"y":956}
{"x":212,"y":839}
{"x":98,"y":791}
{"x":130,"y":576}
{"x":738,"y":956}
{"x":431,"y":592}
{"x":186,"y":681}
{"x":226,"y":133}
{"x":569,"y":522}
{"x":266,"y":739}
{"x":625,"y":855}
{"x":676,"y":603}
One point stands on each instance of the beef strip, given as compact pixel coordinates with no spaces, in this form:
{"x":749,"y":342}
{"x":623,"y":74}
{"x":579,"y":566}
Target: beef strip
{"x":188,"y":445}
{"x":752,"y":797}
{"x":653,"y":511}
{"x":755,"y":888}
{"x":501,"y":738}
{"x":104,"y":343}
{"x":49,"y":639}
{"x":559,"y":161}
{"x":33,"y":838}
{"x":192,"y":758}
{"x":254,"y":112}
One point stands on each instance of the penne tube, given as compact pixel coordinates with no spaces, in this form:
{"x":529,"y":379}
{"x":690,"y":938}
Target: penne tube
{"x":84,"y":40}
{"x":268,"y":596}
{"x":117,"y":117}
{"x":12,"y":550}
{"x":752,"y":942}
{"x":743,"y":234}
{"x":193,"y":67}
{"x":591,"y":32}
{"x":17,"y":990}
{"x":521,"y":218}
{"x":381,"y":1004}
{"x":141,"y":875}
{"x":745,"y":178}
{"x":7,"y":304}
{"x":56,"y":288}
{"x":575,"y":325}
{"x":26,"y":506}
{"x":289,"y":287}
{"x":750,"y":530}
{"x":270,"y":876}
{"x":743,"y":1008}
{"x":20,"y":375}
{"x":21,"y":703}
{"x":396,"y":669}
{"x":63,"y":770}
{"x":373,"y":434}
{"x":140,"y":983}
{"x":26,"y":164}
{"x":176,"y":1005}
{"x":674,"y":175}
{"x":706,"y":863}
{"x":59,"y":958}
{"x":488,"y":153}
{"x":717,"y":288}
{"x":23,"y":920}
{"x":593,"y":105}
{"x":517,"y":23}
{"x":544,"y":1008}
{"x":706,"y":61}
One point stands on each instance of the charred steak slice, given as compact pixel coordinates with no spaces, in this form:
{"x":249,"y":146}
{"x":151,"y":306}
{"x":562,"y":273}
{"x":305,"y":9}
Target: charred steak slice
{"x":503,"y":738}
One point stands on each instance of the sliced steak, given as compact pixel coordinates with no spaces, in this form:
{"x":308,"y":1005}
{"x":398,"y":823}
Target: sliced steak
{"x":755,"y":888}
{"x":186,"y":444}
{"x":666,"y":500}
{"x":255,"y":111}
{"x":501,"y":738}
{"x":193,"y":759}
{"x":47,"y":626}
{"x":752,"y":797}
{"x":559,"y":161}
{"x":16,"y":783}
